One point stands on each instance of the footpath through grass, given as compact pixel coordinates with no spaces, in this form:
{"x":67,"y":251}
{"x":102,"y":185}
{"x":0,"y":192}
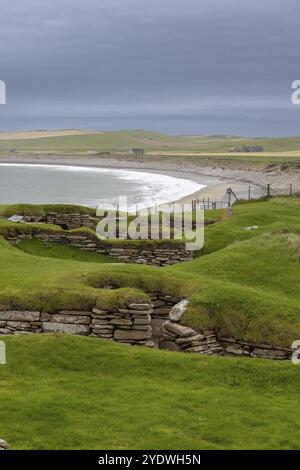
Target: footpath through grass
{"x":68,"y":392}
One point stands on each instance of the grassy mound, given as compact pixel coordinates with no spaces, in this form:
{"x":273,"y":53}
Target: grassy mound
{"x":7,"y":210}
{"x":68,"y":392}
{"x":41,"y":283}
{"x":55,"y":250}
{"x":277,"y":215}
{"x":249,"y":290}
{"x":243,"y":283}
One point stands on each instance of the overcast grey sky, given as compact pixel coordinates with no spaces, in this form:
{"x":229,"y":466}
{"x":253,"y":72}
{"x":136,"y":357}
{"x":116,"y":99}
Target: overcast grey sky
{"x":179,"y":66}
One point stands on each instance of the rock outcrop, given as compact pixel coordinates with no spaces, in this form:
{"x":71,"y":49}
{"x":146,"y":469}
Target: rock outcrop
{"x":3,"y":445}
{"x":177,"y":337}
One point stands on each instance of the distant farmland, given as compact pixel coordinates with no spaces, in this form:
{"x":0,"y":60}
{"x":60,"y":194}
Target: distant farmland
{"x":154,"y":143}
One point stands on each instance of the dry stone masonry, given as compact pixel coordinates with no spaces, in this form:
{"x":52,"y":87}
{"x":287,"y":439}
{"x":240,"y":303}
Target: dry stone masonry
{"x":66,"y":221}
{"x":127,"y":325}
{"x":131,"y":325}
{"x":234,"y":347}
{"x":161,"y":305}
{"x":161,"y":254}
{"x":154,"y":325}
{"x":177,"y":337}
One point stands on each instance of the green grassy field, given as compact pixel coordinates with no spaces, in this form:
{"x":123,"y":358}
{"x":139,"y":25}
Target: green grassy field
{"x":211,"y":147}
{"x":6,"y":210}
{"x":55,"y":250}
{"x":63,"y":392}
{"x":67,"y":392}
{"x":243,"y":283}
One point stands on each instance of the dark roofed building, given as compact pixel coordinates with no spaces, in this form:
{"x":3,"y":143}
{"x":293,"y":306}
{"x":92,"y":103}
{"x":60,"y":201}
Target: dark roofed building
{"x":247,"y":149}
{"x":138,"y":151}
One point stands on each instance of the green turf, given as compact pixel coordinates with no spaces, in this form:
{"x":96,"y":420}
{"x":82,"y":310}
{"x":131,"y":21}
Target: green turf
{"x":123,"y":141}
{"x":68,"y":392}
{"x":247,"y":280}
{"x":7,"y":210}
{"x":55,"y":250}
{"x":275,"y":215}
{"x":243,"y":283}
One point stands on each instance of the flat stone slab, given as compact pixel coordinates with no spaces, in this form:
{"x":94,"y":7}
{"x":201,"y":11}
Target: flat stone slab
{"x":190,"y":339}
{"x":20,"y":316}
{"x":121,"y":321}
{"x":70,"y":319}
{"x":3,"y":445}
{"x":74,"y":312}
{"x":269,"y":353}
{"x":98,"y":311}
{"x":5,"y":331}
{"x":179,"y":330}
{"x":18,"y":325}
{"x":132,"y":335}
{"x":178,"y":310}
{"x":140,"y":307}
{"x":51,"y":327}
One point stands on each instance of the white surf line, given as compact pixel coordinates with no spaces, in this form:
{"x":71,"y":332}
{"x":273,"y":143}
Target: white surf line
{"x":166,"y":188}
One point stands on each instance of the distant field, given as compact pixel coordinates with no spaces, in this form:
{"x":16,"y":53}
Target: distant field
{"x":76,"y":141}
{"x":43,"y":133}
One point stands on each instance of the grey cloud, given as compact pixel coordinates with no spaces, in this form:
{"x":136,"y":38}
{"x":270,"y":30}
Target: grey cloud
{"x":186,"y":62}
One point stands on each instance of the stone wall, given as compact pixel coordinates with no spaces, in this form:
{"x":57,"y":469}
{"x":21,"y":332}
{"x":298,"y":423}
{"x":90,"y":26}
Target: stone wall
{"x":129,"y":325}
{"x":234,"y":347}
{"x":66,"y":221}
{"x":177,"y":337}
{"x":153,"y":325}
{"x":161,"y":306}
{"x":155,"y":254}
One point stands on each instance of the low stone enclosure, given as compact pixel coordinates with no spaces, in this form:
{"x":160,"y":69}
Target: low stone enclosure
{"x":154,"y":325}
{"x":64,"y":220}
{"x":152,"y":253}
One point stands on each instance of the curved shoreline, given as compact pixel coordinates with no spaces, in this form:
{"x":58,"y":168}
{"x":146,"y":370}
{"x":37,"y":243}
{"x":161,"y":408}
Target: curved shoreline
{"x":216,"y":180}
{"x":215,"y":175}
{"x":156,"y":187}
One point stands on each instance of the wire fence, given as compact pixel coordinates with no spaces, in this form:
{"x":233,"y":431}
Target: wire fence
{"x":248,"y":194}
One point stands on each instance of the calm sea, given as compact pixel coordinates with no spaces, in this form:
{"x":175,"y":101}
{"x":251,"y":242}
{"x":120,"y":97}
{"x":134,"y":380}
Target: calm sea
{"x":41,"y":184}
